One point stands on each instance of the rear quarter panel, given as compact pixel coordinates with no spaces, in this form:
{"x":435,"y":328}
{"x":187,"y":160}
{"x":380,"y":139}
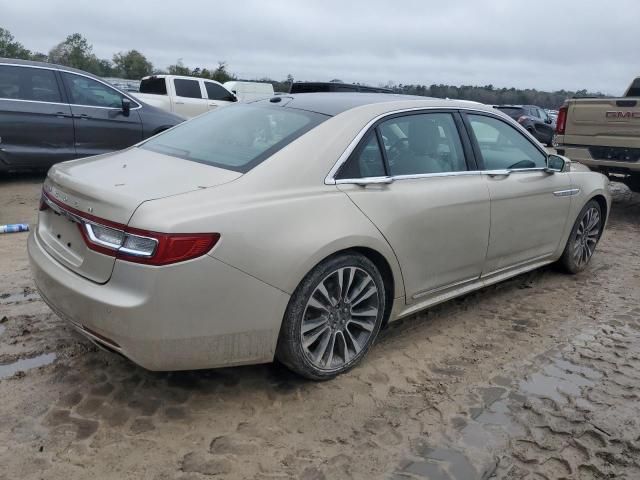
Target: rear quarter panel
{"x":277,"y":237}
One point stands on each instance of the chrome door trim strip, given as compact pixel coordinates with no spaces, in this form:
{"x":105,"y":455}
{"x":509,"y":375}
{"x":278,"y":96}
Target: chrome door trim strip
{"x":515,"y":265}
{"x":424,"y":293}
{"x":97,"y":79}
{"x":566,"y":193}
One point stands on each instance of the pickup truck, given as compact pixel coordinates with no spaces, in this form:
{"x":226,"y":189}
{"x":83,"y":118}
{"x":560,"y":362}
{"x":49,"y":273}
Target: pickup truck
{"x":603,"y":133}
{"x":184,"y":96}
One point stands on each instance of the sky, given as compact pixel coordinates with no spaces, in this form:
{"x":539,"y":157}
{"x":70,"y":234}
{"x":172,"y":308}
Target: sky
{"x":543,"y":44}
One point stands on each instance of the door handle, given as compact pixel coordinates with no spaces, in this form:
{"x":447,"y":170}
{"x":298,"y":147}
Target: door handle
{"x":499,"y":173}
{"x":213,"y":104}
{"x":179,"y":103}
{"x":83,"y":116}
{"x":62,"y":115}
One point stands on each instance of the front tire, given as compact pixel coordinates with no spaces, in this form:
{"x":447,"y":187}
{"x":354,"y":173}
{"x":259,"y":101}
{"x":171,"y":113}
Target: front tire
{"x":583,"y":239}
{"x":333,"y":317}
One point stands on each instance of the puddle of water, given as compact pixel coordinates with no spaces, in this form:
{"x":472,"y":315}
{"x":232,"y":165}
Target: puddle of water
{"x":26,"y":364}
{"x":2,"y":329}
{"x":440,"y":464}
{"x":555,"y":379}
{"x":492,"y":419}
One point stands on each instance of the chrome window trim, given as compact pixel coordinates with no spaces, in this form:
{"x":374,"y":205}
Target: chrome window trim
{"x":331,"y":180}
{"x":72,"y":73}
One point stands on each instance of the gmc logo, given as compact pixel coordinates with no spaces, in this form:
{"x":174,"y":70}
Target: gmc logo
{"x":623,"y":115}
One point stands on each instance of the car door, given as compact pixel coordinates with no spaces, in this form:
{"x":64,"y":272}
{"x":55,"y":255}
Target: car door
{"x":189,"y":100}
{"x":529,"y":206}
{"x":101,"y":124}
{"x":545,"y":125}
{"x":36,"y":128}
{"x":431,"y":206}
{"x":217,"y":95}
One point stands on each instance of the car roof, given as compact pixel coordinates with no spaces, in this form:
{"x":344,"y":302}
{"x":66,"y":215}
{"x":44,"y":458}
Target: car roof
{"x":334,"y":103}
{"x":55,"y":66}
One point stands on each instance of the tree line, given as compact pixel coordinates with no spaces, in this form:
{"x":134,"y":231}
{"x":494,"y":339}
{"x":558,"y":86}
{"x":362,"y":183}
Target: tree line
{"x":76,"y":51}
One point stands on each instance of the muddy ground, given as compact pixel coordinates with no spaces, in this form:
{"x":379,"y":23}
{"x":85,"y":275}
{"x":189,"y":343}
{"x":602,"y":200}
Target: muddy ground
{"x":535,"y":378}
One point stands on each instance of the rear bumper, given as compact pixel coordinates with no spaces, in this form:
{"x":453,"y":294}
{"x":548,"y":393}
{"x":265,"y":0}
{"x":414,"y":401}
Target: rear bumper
{"x":197,"y":314}
{"x":581,"y":154}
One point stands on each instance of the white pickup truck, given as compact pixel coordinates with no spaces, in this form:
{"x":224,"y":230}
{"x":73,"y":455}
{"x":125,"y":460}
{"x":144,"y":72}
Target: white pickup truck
{"x":185,"y":96}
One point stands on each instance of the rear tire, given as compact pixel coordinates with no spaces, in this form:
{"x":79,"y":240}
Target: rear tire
{"x":333,"y":317}
{"x":584,"y":237}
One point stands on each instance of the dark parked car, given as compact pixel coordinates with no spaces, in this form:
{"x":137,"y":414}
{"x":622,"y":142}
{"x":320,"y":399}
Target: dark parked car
{"x":50,"y":113}
{"x":315,"y":87}
{"x":534,"y":119}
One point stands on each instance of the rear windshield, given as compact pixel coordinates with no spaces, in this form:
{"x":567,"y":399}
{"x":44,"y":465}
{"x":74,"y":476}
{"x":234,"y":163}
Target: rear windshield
{"x":512,"y":111}
{"x":634,"y":89}
{"x":156,"y":86}
{"x":236,"y":137}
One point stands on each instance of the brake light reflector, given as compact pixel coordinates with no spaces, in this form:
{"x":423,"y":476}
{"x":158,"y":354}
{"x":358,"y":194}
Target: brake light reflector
{"x":561,"y":122}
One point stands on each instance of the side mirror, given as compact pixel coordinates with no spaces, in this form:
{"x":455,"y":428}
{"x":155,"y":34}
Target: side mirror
{"x":557,"y":163}
{"x":548,"y":121}
{"x":126,"y":107}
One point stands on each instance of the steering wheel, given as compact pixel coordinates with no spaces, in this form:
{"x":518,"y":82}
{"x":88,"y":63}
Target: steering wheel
{"x":396,"y":149}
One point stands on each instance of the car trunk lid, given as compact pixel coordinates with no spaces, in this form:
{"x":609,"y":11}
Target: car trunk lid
{"x":108,"y":189}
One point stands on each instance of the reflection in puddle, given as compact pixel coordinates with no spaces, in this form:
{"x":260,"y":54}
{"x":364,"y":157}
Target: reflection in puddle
{"x":26,"y":364}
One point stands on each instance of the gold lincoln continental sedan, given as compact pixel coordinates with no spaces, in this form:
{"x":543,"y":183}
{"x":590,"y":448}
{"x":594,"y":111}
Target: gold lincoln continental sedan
{"x":295,"y":227}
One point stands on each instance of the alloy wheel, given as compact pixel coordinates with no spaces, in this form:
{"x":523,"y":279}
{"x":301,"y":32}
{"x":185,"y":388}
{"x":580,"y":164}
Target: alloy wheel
{"x":339,"y":318}
{"x":587,"y":236}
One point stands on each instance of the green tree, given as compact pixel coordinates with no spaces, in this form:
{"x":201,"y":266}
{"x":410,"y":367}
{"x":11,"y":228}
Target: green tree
{"x":10,"y":48}
{"x":220,"y":74}
{"x":76,"y":51}
{"x":178,"y":69}
{"x":132,"y":64}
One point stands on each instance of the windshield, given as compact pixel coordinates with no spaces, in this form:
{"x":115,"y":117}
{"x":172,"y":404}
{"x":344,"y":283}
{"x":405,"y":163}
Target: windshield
{"x":237,"y":137}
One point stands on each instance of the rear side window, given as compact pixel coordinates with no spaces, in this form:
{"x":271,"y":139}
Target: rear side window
{"x":366,"y":161}
{"x":155,"y":86}
{"x":187,"y":88}
{"x":216,"y":92}
{"x":503,"y":147}
{"x":237,"y":137}
{"x":26,"y":83}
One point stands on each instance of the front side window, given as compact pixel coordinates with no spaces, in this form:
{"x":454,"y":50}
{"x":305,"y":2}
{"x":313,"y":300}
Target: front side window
{"x":365,"y":162}
{"x":89,"y":92}
{"x":216,"y":92}
{"x":26,"y":83}
{"x":237,"y":137}
{"x":503,"y":147}
{"x":422,"y":144}
{"x":187,"y":88}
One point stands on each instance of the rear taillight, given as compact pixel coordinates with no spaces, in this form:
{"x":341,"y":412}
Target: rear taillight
{"x":561,"y":122}
{"x":523,"y":119}
{"x":135,"y":245}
